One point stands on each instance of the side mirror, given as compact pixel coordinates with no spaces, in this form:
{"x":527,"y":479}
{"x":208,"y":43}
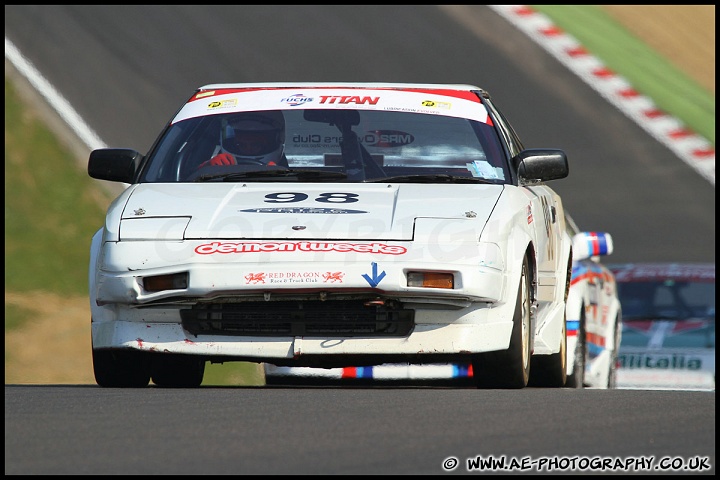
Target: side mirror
{"x":540,"y":165}
{"x":591,"y":244}
{"x":114,"y":164}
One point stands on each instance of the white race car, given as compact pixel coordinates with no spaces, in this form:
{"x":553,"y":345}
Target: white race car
{"x":328,"y":225}
{"x":594,"y":313}
{"x":593,"y":333}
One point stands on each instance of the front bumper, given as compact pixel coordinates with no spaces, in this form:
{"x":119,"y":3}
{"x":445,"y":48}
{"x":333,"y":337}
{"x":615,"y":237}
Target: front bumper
{"x":472,"y":317}
{"x":478,"y":270}
{"x":427,"y":343}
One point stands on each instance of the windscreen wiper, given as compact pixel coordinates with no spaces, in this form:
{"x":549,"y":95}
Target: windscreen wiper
{"x":429,"y":178}
{"x":274,"y":174}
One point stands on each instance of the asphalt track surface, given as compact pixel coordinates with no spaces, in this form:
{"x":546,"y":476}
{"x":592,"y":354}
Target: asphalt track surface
{"x":126,"y":69}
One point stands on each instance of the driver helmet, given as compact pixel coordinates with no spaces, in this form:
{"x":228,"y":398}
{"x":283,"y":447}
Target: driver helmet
{"x":256,"y":137}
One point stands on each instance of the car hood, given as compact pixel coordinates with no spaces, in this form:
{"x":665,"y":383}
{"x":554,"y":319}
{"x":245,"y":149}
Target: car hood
{"x":301,"y":210}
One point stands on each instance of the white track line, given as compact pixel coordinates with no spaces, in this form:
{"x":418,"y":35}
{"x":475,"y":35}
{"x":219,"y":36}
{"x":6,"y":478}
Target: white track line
{"x":53,"y":97}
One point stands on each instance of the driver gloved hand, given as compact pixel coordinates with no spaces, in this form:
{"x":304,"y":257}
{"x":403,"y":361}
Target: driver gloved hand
{"x":219,"y":159}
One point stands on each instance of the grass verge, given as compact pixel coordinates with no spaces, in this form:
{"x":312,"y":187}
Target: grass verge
{"x":671,"y":89}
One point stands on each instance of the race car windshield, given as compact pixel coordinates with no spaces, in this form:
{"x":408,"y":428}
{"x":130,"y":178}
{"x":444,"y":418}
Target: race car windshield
{"x":667,"y":300}
{"x":251,"y":143}
{"x":363,"y":145}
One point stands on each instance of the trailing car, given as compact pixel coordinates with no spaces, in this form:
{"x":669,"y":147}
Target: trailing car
{"x":668,"y":338}
{"x":594,"y":313}
{"x":594,"y":323}
{"x":327,"y":225}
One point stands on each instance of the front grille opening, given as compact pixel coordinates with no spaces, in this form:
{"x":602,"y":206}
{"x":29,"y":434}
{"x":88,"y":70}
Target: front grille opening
{"x":299,"y":318}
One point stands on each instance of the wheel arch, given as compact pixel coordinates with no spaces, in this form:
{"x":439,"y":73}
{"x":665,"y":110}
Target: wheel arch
{"x":95,"y":251}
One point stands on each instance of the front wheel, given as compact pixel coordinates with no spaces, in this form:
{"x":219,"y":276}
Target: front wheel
{"x":551,"y":370}
{"x":177,"y":371}
{"x":510,"y":368}
{"x":121,"y":368}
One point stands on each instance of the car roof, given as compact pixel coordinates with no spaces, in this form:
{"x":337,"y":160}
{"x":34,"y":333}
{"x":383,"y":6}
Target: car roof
{"x":452,"y":100}
{"x":680,"y":271}
{"x":370,"y":85}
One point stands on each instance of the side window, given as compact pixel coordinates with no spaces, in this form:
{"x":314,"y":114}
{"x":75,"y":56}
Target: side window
{"x":511,"y":137}
{"x":183,"y":148}
{"x":161,"y":165}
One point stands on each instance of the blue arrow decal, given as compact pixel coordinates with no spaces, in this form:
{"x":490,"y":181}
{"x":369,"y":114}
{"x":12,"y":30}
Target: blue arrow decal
{"x":375,"y":279}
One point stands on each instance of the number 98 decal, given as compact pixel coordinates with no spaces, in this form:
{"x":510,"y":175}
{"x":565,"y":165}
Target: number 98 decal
{"x":291,"y":197}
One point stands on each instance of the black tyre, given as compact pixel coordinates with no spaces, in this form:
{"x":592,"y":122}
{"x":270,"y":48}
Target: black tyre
{"x":612,"y":370}
{"x":177,"y":371}
{"x":551,"y":370}
{"x":121,"y":368}
{"x":510,"y":368}
{"x":577,"y":379}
